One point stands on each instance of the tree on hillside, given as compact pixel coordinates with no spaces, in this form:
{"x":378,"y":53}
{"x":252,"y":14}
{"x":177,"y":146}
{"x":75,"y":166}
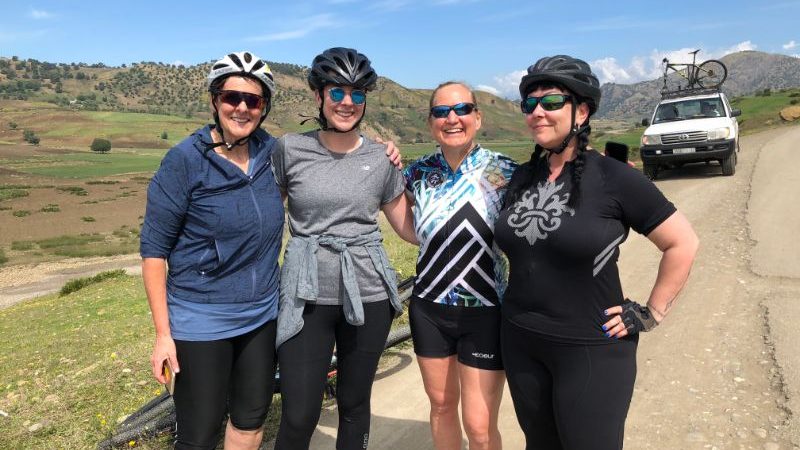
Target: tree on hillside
{"x":101,"y":145}
{"x":30,"y":137}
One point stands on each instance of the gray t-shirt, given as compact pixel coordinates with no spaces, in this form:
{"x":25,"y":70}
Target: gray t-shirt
{"x":337,"y":195}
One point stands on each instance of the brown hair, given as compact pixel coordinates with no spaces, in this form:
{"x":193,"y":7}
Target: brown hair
{"x":451,"y":83}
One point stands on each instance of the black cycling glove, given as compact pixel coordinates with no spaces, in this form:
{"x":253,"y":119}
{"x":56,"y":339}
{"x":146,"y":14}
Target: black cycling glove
{"x":637,"y":318}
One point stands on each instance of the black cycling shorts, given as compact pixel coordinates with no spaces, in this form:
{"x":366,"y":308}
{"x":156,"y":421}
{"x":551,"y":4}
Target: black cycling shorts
{"x":472,"y":333}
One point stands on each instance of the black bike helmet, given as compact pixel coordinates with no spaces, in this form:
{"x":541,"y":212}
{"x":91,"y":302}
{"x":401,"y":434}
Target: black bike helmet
{"x":572,"y":73}
{"x":342,"y":67}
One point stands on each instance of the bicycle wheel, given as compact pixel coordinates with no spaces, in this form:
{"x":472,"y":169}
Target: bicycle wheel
{"x":711,"y":74}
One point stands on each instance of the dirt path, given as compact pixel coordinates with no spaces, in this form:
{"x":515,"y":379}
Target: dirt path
{"x":18,"y":283}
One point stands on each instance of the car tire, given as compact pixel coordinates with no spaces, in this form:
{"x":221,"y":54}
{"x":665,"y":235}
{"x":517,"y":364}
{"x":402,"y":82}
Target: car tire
{"x":651,"y":171}
{"x":729,"y":164}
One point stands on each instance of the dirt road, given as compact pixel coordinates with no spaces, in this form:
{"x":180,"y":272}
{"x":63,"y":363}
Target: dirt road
{"x":723,"y":372}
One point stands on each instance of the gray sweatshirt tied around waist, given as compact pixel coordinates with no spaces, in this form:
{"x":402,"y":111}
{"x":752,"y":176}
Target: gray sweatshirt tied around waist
{"x":299,"y":278}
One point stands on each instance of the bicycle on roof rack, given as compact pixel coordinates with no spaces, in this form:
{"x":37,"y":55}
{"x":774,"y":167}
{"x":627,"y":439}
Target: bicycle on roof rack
{"x":709,"y":74}
{"x":157,"y":416}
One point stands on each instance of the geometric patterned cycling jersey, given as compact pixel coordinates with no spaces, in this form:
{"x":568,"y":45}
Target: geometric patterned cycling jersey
{"x":454,"y":214}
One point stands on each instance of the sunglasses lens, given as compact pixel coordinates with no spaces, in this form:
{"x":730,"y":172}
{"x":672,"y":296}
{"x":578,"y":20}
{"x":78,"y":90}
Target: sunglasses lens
{"x":553,"y":102}
{"x":235,"y":98}
{"x":529,"y":104}
{"x":358,"y":97}
{"x":336,"y":94}
{"x":462,"y":109}
{"x":440,"y":112}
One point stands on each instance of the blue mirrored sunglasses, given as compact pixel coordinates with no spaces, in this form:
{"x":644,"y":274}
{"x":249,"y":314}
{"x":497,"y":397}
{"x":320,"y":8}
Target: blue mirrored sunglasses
{"x":461,"y":109}
{"x":337,"y":95}
{"x":549,"y":102}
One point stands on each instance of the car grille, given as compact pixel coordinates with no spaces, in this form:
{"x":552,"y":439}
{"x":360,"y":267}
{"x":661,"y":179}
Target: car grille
{"x":691,"y":137}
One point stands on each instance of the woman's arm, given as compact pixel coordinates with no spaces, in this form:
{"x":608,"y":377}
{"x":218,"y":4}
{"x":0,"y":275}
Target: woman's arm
{"x":678,"y":243}
{"x":154,"y":273}
{"x":401,"y":217}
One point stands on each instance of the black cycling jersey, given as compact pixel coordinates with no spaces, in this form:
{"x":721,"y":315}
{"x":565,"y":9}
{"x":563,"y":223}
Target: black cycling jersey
{"x":563,"y":260}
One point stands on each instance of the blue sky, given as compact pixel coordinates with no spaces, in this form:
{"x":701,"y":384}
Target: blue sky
{"x":417,"y":43}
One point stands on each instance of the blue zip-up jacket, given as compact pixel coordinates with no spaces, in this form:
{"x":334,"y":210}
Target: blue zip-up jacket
{"x":219,"y":229}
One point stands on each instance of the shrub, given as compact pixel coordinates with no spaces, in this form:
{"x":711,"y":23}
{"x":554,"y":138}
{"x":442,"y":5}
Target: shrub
{"x":80,"y":283}
{"x":30,"y":137}
{"x":87,"y":219}
{"x":12,"y":125}
{"x":3,"y":258}
{"x":164,"y":135}
{"x":21,"y":245}
{"x":21,"y":213}
{"x":100,"y":145}
{"x":74,"y":190}
{"x":50,"y":207}
{"x":7,"y":194}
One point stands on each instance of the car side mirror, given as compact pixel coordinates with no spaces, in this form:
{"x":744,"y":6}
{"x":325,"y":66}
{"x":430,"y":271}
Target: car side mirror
{"x":645,"y":122}
{"x":736,"y":112}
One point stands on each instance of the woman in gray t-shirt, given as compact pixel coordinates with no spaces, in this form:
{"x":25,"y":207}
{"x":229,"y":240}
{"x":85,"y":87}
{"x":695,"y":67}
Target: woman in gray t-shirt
{"x":337,"y":286}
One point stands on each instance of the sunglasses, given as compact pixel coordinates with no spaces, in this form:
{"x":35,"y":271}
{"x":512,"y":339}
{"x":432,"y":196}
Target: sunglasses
{"x":549,"y":102}
{"x":337,"y":95}
{"x":235,"y":98}
{"x":461,"y":109}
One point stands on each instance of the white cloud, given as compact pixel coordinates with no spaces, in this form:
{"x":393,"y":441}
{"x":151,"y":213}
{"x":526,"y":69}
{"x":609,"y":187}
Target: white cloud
{"x":649,"y":67}
{"x":790,"y":45}
{"x":178,"y":62}
{"x":487,"y":88}
{"x":300,"y":29}
{"x":40,"y":14}
{"x":506,"y":85}
{"x":389,"y":5}
{"x":610,"y":70}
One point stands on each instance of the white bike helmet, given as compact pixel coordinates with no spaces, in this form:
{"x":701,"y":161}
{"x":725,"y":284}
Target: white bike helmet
{"x":243,"y":63}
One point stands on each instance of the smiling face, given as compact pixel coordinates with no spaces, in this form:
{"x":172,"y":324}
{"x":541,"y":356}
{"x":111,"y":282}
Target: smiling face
{"x":341,"y":115}
{"x":454,"y":132}
{"x":239,"y":121}
{"x":550,"y":128}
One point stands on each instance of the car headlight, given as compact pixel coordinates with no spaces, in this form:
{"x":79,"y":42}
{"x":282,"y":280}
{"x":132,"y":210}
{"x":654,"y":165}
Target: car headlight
{"x":719,"y":133}
{"x":651,"y":139}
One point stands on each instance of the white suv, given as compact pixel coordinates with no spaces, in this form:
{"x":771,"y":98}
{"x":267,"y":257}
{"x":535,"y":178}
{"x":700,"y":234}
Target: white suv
{"x":691,"y":128}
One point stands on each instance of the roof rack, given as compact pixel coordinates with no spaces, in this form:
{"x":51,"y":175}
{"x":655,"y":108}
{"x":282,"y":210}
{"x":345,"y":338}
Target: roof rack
{"x":689,"y":91}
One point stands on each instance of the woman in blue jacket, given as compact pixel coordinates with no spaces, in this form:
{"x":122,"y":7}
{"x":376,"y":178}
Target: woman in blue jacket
{"x":215,"y":219}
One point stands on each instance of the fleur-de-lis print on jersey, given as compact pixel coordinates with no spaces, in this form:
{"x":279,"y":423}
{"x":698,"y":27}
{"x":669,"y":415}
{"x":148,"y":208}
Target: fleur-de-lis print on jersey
{"x":539,"y":212}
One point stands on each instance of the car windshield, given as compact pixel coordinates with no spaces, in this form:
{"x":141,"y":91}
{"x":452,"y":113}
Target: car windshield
{"x":689,"y":109}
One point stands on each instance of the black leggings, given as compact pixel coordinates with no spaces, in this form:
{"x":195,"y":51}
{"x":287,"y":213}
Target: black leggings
{"x":568,"y":396}
{"x":304,"y":361}
{"x":237,"y":374}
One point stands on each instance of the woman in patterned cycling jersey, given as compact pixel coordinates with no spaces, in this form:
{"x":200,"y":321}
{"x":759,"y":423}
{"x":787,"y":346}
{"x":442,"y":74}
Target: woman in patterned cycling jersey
{"x":454,"y":309}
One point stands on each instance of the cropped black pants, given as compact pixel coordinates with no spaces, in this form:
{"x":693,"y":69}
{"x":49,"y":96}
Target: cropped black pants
{"x":568,"y":396}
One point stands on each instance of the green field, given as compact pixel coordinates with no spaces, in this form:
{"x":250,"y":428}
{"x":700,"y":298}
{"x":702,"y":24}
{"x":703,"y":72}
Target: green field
{"x":87,"y":165}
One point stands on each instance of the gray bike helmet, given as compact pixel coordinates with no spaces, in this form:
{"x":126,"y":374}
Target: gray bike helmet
{"x":572,"y":73}
{"x":343,"y":67}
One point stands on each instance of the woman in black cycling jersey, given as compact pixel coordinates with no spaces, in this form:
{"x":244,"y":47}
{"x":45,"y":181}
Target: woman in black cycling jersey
{"x":214,"y":213}
{"x":569,"y":335}
{"x":455,"y":307}
{"x":337,"y":286}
